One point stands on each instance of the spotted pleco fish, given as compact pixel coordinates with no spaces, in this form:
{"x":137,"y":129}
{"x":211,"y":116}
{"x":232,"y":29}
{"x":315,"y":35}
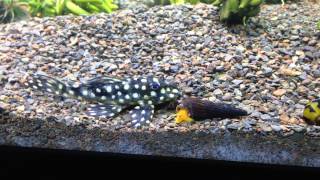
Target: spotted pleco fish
{"x":111,"y":95}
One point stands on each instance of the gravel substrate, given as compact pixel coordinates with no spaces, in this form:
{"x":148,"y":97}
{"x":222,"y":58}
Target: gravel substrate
{"x":270,"y":68}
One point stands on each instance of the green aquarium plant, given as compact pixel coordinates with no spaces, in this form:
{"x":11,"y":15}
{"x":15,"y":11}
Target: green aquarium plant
{"x":168,"y":2}
{"x":193,"y":1}
{"x":231,"y":11}
{"x":12,"y":10}
{"x":207,"y":1}
{"x":177,"y":1}
{"x":43,"y":8}
{"x":237,"y":11}
{"x":274,"y":1}
{"x":318,"y":25}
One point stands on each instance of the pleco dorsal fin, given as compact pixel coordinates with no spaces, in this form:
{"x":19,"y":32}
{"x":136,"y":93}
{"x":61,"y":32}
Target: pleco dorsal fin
{"x":104,"y":79}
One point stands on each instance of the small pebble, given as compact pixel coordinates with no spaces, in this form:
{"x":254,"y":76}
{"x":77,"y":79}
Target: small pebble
{"x":279,"y":92}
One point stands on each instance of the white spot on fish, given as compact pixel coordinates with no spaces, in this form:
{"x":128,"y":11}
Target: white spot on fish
{"x":121,"y":100}
{"x":119,"y":109}
{"x":137,"y":125}
{"x":142,"y":119}
{"x":136,"y":86}
{"x":143,"y":87}
{"x":52,"y":81}
{"x":171,"y":95}
{"x":133,"y":115}
{"x":175,"y":91}
{"x":98,"y":90}
{"x":148,"y":122}
{"x":150,"y":102}
{"x":143,"y":80}
{"x":126,"y":87}
{"x":40,"y":85}
{"x":60,"y":86}
{"x":155,"y":80}
{"x":103,"y":97}
{"x":141,"y":103}
{"x":161,"y":98}
{"x":84,"y":92}
{"x":116,"y":86}
{"x":137,"y":107}
{"x":113,"y":97}
{"x":57,"y":92}
{"x":111,"y":114}
{"x":168,"y":89}
{"x":135,"y":95}
{"x":163,"y":91}
{"x":92,"y":95}
{"x":143,"y":112}
{"x":146,"y":97}
{"x":71,"y":92}
{"x":48,"y":84}
{"x":153,"y":93}
{"x":134,"y":121}
{"x":35,"y":87}
{"x":49,"y":90}
{"x":127,"y":96}
{"x":75,"y":85}
{"x":119,"y":93}
{"x":108,"y":88}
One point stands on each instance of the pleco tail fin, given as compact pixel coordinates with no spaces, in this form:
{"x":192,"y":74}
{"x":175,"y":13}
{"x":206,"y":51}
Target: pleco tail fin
{"x":51,"y":85}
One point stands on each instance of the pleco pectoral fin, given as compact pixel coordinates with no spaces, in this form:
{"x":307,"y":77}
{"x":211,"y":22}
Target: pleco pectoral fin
{"x":104,"y":110}
{"x":141,"y":115}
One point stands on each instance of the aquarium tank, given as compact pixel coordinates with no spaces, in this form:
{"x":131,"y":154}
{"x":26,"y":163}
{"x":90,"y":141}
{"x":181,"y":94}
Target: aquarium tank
{"x":232,"y":80}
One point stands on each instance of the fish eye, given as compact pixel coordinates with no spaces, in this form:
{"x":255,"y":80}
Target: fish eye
{"x":154,"y":85}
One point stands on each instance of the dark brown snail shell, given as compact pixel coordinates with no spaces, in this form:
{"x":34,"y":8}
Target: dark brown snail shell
{"x":204,"y":109}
